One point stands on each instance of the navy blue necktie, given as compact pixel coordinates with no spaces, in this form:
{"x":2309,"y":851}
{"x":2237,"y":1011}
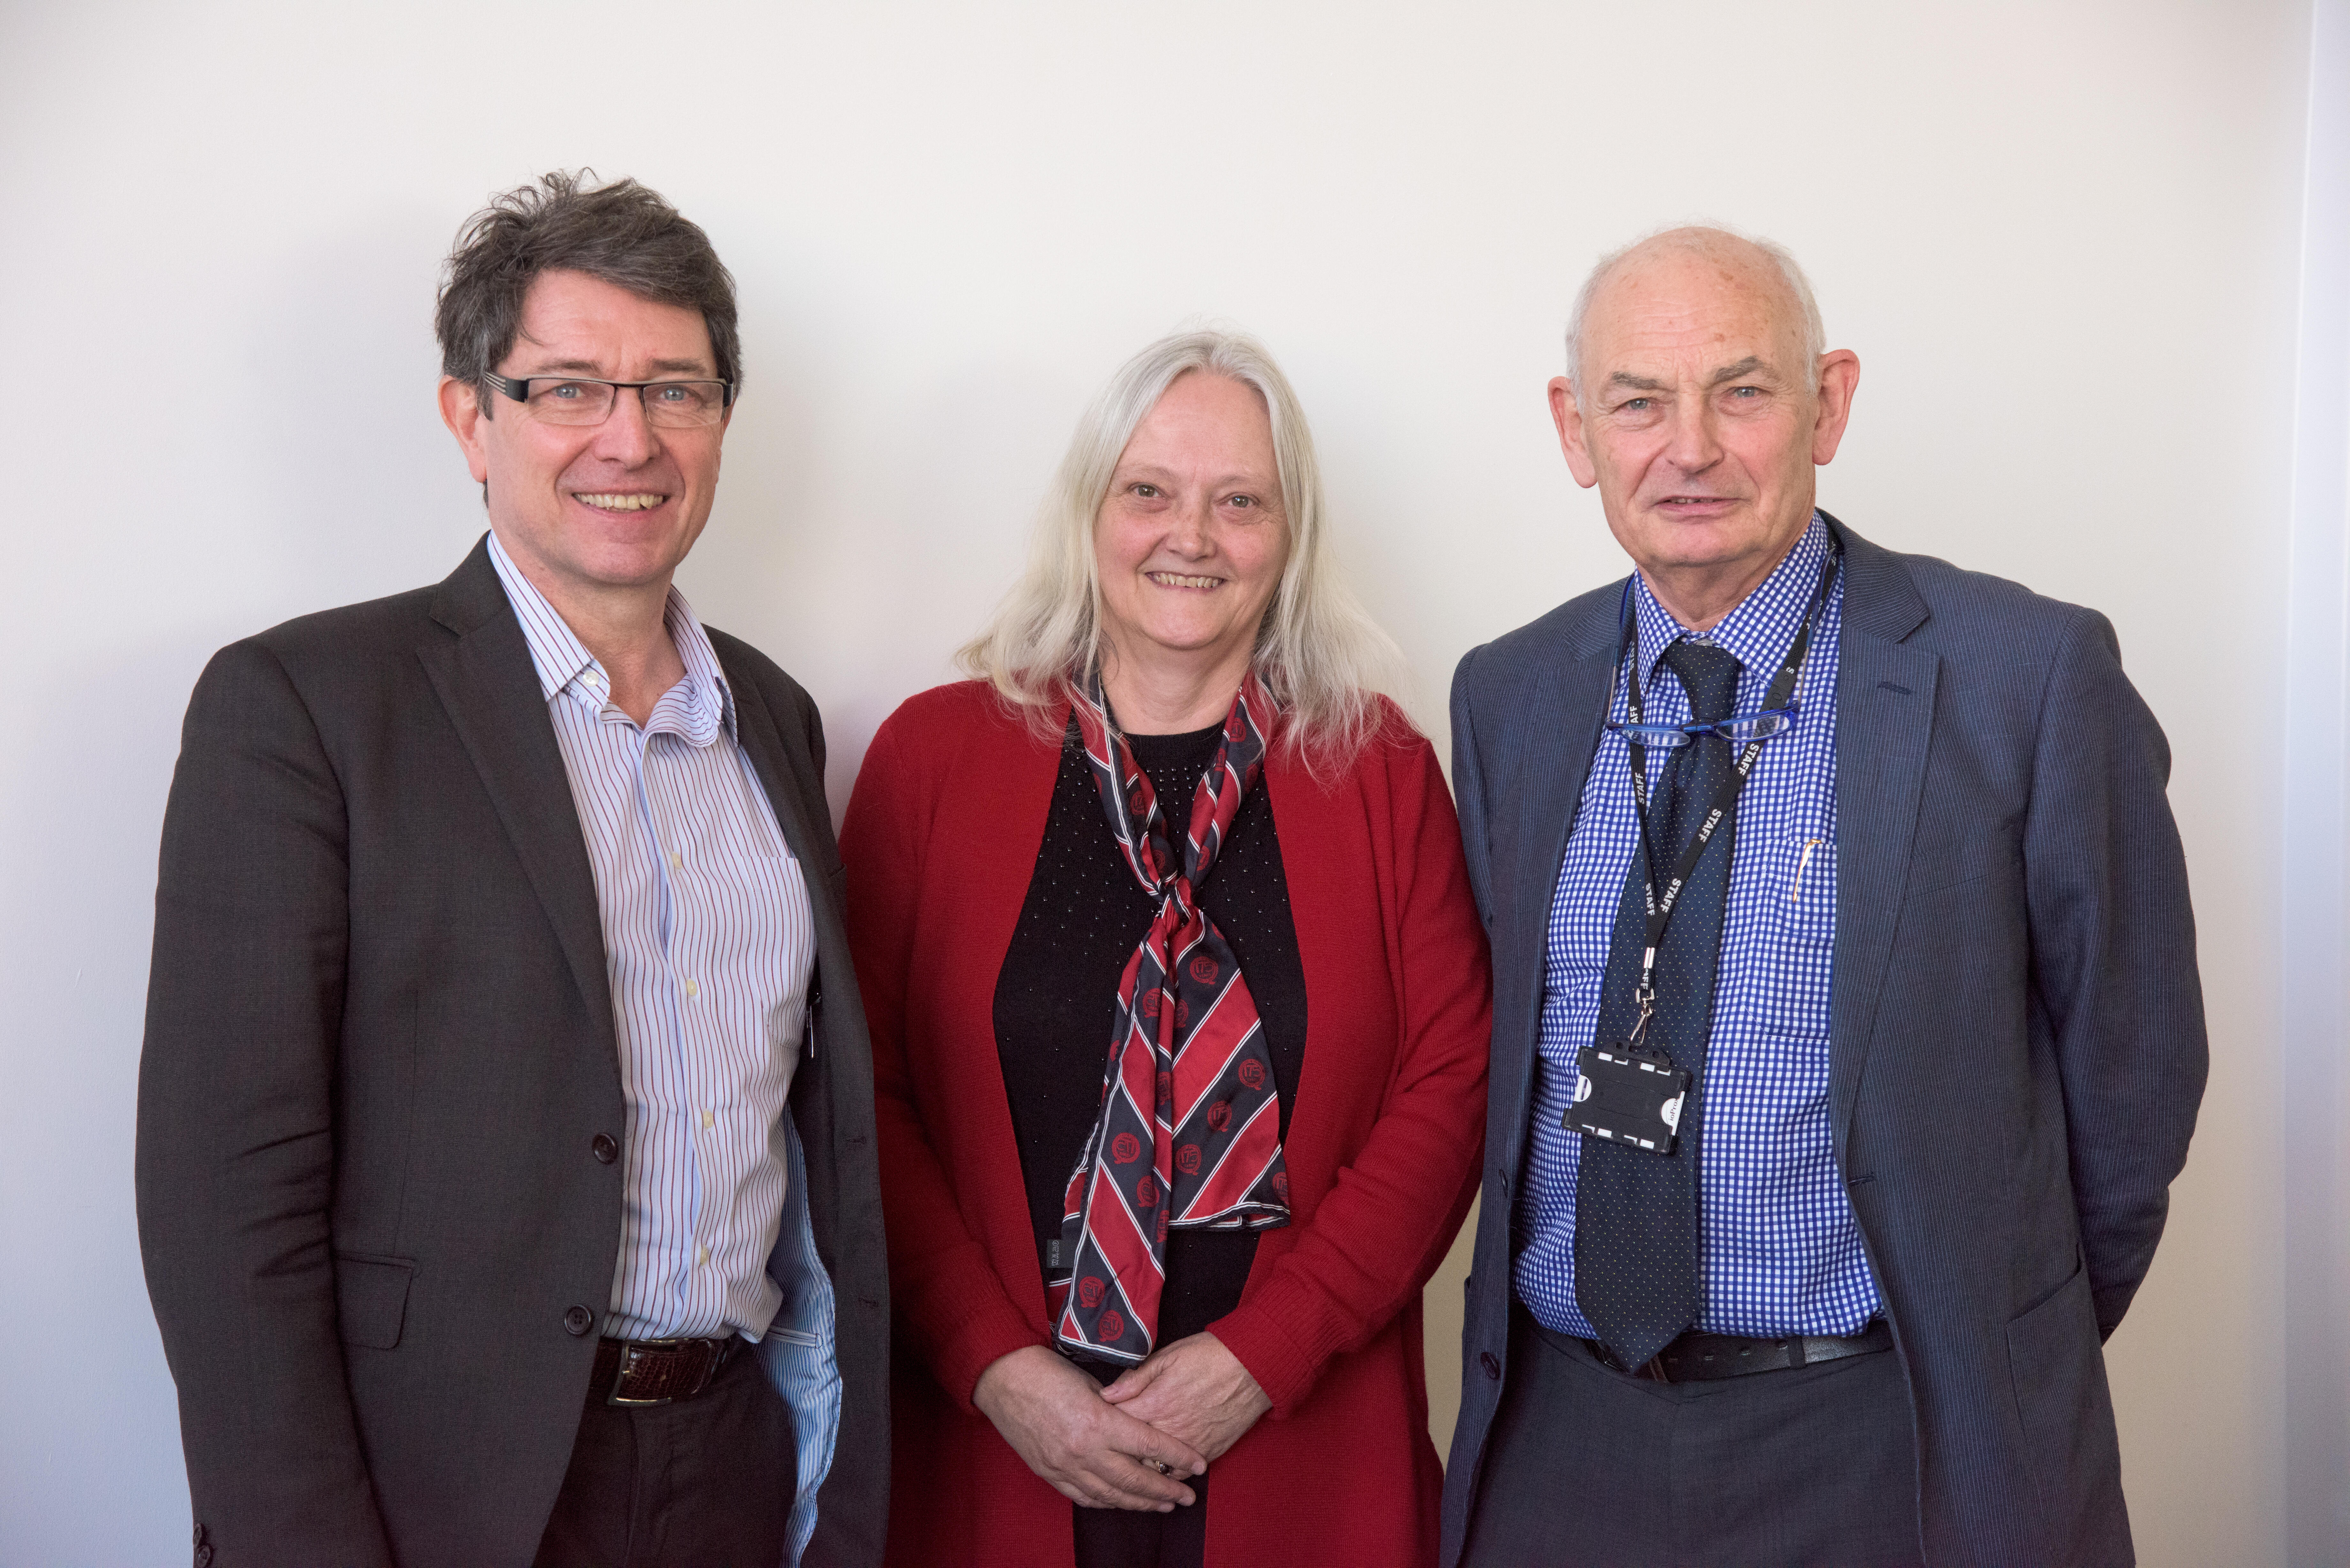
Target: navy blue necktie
{"x":1635,"y":1233}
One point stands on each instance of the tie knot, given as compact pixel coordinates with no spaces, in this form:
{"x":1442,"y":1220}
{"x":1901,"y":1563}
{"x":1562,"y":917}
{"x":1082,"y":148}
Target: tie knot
{"x":1709,"y":673}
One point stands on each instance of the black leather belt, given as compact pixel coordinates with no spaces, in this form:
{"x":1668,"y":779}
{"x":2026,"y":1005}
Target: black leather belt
{"x":1696,"y":1357}
{"x":659,"y":1371}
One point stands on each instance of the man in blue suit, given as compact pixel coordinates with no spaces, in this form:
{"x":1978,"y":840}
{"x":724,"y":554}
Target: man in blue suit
{"x":1846,"y":1032}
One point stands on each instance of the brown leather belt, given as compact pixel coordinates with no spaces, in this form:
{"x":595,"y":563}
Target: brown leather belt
{"x":1696,"y":1357}
{"x":659,"y":1371}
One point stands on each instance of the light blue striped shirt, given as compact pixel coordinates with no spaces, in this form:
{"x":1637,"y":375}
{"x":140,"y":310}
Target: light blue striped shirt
{"x":1780,"y":1249}
{"x":709,"y":947}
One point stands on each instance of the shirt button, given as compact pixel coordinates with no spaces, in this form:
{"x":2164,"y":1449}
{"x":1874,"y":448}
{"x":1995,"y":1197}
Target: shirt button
{"x":1493,"y":1368}
{"x":577,"y":1321}
{"x":604,"y":1148}
{"x":693,"y":989}
{"x":709,"y":1120}
{"x":677,"y":860}
{"x":701,"y":1255}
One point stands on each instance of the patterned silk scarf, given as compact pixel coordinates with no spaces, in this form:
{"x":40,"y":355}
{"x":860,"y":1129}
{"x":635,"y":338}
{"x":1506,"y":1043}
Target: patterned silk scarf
{"x":1189,"y":1132}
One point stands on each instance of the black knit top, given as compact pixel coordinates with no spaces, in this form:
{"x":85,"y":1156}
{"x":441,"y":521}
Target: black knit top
{"x":1056,"y":995}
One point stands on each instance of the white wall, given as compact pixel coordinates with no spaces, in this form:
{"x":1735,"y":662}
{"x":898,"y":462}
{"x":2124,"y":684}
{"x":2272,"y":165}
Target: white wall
{"x":2062,"y":237}
{"x":2316,"y":762}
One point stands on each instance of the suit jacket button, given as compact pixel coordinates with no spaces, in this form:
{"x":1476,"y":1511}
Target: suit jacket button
{"x":578,"y":1320}
{"x":1493,"y":1368}
{"x":605,"y":1148}
{"x":205,"y":1556}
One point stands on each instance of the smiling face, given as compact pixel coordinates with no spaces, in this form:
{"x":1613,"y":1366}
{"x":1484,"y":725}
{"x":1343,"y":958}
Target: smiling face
{"x":1191,"y":540}
{"x":585,"y":510}
{"x":1701,"y":416}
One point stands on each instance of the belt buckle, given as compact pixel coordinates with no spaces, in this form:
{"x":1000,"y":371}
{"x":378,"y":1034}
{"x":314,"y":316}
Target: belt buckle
{"x":628,"y":1349}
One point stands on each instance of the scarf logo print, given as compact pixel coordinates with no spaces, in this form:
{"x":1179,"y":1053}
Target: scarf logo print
{"x":1188,"y":1080}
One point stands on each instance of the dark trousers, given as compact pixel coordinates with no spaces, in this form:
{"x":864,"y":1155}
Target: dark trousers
{"x":1585,"y":1468}
{"x":707,"y":1481}
{"x":1133,"y":1538}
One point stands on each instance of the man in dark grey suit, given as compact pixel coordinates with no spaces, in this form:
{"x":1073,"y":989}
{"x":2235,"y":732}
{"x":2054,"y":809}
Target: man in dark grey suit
{"x":506,"y":1174}
{"x":1847,"y":1032}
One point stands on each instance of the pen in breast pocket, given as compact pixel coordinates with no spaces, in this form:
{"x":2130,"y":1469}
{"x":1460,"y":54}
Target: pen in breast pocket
{"x":1795,"y":885}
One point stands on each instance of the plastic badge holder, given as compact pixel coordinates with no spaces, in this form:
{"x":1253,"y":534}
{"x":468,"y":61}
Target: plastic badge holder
{"x":1628,"y":1096}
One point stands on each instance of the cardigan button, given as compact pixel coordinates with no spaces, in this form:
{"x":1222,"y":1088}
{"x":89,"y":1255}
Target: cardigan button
{"x":604,"y":1148}
{"x":1493,"y":1368}
{"x":577,"y":1321}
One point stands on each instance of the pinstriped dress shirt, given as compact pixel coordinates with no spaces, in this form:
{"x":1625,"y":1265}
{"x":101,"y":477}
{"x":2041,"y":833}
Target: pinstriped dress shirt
{"x":709,"y":945}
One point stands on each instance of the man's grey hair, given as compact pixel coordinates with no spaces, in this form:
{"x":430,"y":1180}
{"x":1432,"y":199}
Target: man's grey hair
{"x":619,"y":232}
{"x":1318,"y":651}
{"x":1701,"y":238}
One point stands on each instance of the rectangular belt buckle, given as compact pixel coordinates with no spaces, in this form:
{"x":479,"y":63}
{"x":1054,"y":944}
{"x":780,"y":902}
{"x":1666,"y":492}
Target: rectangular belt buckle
{"x":628,"y":1348}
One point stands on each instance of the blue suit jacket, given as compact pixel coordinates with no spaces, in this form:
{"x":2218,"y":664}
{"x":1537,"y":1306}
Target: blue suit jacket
{"x":2016,"y":1041}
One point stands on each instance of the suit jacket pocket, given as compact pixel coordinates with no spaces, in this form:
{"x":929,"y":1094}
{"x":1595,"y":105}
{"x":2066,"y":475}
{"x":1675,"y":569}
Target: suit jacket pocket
{"x":371,"y":1298}
{"x":2058,"y":1369}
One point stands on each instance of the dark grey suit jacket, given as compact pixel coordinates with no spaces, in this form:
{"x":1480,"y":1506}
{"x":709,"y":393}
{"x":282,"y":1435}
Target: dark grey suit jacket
{"x":379,"y":1048}
{"x":2016,"y":1044}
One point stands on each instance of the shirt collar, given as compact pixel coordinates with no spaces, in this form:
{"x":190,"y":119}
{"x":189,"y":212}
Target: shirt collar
{"x":564,"y":663}
{"x":1761,"y":629}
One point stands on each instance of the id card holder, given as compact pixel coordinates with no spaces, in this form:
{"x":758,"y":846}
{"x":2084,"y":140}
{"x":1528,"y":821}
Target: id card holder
{"x":1628,"y":1095}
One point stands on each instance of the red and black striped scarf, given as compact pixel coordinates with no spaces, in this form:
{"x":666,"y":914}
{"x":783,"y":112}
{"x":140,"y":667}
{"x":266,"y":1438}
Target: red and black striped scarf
{"x":1189,"y":1131}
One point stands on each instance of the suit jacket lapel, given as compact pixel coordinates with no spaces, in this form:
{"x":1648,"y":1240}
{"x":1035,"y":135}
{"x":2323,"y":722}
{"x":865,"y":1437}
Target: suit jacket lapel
{"x":1885,"y":721}
{"x":486,"y":680}
{"x":773,"y":760}
{"x":1531,"y":810}
{"x":1566,"y":707}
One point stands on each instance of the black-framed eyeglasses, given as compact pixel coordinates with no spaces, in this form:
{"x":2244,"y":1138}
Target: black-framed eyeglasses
{"x":1738,"y":729}
{"x":589,"y":400}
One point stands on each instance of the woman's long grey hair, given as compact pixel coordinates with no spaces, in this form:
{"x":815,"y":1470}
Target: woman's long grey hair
{"x":1318,"y":651}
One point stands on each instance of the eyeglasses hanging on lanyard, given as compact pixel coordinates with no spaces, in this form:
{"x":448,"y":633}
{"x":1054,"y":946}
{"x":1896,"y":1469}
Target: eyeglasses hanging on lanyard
{"x":1747,"y":731}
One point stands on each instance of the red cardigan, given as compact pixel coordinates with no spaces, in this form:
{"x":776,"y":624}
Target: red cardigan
{"x":1386,"y":1134}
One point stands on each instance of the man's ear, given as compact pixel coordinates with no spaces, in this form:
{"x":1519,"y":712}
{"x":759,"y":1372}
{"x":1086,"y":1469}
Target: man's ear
{"x":462,"y":411}
{"x":1566,"y":413}
{"x":1839,"y":374}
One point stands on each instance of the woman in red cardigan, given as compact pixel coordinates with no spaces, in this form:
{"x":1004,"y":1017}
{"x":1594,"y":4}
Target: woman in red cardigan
{"x":1180,"y":1021}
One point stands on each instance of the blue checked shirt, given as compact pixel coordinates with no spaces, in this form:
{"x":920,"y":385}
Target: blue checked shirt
{"x":1781,"y":1253}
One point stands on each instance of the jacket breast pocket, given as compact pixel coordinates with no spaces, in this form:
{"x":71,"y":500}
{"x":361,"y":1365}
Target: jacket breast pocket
{"x":371,"y":1298}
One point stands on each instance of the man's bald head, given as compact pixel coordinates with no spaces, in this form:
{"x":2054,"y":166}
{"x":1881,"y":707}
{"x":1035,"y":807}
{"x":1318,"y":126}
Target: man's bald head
{"x":1765,"y":262}
{"x":1699,"y":399}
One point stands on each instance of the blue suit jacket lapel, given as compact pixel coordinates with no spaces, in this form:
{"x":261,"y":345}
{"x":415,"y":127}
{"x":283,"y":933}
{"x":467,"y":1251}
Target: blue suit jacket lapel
{"x":1885,"y":723}
{"x":1565,"y":707}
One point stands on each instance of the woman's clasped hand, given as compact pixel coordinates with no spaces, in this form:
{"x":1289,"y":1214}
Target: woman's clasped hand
{"x":1061,"y":1423}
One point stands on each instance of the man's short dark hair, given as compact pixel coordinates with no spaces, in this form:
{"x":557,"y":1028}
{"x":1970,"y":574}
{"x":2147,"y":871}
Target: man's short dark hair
{"x":623,"y":233}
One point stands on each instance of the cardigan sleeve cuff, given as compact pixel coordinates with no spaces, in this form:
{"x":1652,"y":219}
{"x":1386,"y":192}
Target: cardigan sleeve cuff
{"x":978,"y":1343}
{"x":1283,"y":1338}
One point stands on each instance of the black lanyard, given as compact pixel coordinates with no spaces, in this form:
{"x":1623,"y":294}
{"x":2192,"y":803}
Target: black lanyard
{"x":1783,"y":687}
